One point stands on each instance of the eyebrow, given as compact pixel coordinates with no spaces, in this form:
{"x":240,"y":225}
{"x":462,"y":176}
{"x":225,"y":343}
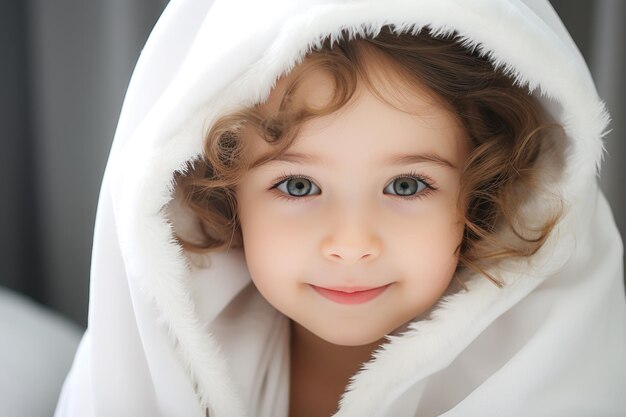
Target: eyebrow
{"x":400,"y":159}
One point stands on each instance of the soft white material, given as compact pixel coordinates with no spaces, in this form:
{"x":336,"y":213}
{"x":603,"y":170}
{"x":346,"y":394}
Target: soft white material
{"x":36,"y":349}
{"x":167,"y":338}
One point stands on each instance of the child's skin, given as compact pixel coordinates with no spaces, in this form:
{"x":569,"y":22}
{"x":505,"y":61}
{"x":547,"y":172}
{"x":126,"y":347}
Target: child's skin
{"x":352,"y":229}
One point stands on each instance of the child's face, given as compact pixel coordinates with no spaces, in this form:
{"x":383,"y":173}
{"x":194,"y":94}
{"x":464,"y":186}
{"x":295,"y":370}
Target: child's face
{"x":351,"y":226}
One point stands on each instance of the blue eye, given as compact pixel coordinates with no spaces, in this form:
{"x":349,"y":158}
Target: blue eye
{"x":407,"y":186}
{"x":296,"y":186}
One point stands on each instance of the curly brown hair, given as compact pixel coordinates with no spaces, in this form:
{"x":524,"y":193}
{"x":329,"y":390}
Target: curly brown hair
{"x":504,"y":124}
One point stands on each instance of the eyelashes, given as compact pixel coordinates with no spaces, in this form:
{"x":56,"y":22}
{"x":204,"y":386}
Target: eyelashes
{"x":425,"y":187}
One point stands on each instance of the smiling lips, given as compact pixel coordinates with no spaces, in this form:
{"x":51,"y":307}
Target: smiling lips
{"x":350,"y":295}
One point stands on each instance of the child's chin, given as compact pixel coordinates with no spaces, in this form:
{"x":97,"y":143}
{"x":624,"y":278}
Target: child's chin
{"x":352,"y":337}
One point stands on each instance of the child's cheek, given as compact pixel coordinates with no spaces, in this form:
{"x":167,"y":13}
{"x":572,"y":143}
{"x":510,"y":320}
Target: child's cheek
{"x":425,"y":247}
{"x":273,"y":243}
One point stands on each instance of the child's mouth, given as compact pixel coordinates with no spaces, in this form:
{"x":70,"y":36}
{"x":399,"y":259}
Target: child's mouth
{"x":350,"y":296}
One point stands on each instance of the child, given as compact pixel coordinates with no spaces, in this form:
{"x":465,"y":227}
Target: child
{"x":356,"y":209}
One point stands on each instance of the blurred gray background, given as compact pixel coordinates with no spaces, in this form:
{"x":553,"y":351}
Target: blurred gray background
{"x":65,"y":68}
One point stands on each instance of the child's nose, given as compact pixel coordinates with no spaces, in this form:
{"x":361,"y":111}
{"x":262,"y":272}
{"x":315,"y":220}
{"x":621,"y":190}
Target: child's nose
{"x":351,"y":239}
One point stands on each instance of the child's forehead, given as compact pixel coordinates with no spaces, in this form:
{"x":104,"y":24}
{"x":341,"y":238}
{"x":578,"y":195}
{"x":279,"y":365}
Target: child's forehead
{"x":377,"y":130}
{"x":398,"y":102}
